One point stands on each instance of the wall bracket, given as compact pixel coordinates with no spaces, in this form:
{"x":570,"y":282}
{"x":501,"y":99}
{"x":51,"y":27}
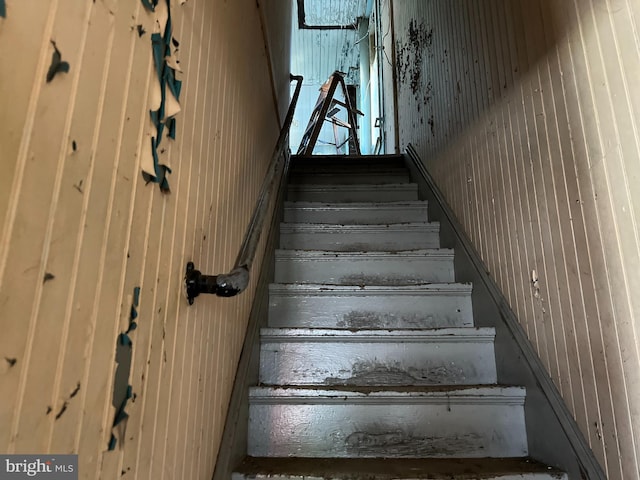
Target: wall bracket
{"x":226,"y":285}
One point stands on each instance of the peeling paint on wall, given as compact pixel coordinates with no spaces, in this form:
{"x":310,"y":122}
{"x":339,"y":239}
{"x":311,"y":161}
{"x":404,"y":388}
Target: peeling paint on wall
{"x":122,"y":390}
{"x":72,"y":207}
{"x":165,"y":93}
{"x":57,"y":64}
{"x":411,"y":50}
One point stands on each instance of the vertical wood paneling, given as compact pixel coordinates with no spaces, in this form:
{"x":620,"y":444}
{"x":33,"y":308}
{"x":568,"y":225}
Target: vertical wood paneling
{"x":85,"y":215}
{"x":537,"y":152}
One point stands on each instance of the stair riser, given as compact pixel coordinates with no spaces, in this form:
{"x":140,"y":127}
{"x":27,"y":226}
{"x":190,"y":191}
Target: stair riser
{"x":366,"y":311}
{"x":400,"y":270}
{"x":457,"y":362}
{"x":392,"y":430}
{"x":326,"y":178}
{"x":296,"y":212}
{"x":382,"y":240}
{"x":353,"y":193}
{"x":407,"y":476}
{"x":345,"y":162}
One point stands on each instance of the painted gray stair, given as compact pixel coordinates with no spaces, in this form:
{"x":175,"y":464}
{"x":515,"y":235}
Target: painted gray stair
{"x":389,"y":192}
{"x":364,"y":268}
{"x":353,"y":238}
{"x":400,"y":422}
{"x":264,"y":468}
{"x":371,"y":366}
{"x":337,"y":306}
{"x":355,"y":213}
{"x":449,"y":356}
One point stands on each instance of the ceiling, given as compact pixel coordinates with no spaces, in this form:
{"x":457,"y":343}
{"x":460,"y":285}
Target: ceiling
{"x":327,"y":40}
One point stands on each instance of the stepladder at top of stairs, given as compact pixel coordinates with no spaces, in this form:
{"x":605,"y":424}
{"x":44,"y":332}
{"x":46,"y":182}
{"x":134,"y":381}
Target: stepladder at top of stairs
{"x":371,"y":363}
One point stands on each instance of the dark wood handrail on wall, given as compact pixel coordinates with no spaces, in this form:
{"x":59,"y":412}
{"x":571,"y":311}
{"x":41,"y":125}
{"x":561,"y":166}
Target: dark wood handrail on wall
{"x":237,"y":280}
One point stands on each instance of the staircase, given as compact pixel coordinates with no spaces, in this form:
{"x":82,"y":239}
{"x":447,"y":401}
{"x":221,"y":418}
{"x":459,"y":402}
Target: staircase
{"x":371,"y":366}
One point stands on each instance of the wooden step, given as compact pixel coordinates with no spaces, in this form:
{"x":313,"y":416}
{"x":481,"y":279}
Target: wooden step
{"x":365,"y":268}
{"x":363,"y":238}
{"x":392,"y":422}
{"x":351,"y":176}
{"x":356,"y":213}
{"x":415,"y":306}
{"x":388,"y":192}
{"x":448,"y":356}
{"x":364,"y":162}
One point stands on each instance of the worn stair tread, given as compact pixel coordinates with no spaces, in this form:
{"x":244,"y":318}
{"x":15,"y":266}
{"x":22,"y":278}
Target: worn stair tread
{"x":397,"y":394}
{"x":376,"y":421}
{"x":319,"y":255}
{"x":352,"y":238}
{"x":350,"y":176}
{"x":476,"y":334}
{"x":401,"y":204}
{"x":350,"y":170}
{"x":288,"y":227}
{"x":367,"y":290}
{"x":393,"y":468}
{"x":372,"y":267}
{"x":353,"y":192}
{"x":421,"y":305}
{"x":322,"y":356}
{"x":356,"y":213}
{"x":351,"y":187}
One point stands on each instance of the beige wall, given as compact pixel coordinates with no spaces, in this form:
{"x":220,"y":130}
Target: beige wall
{"x":526,"y":112}
{"x":276,"y":20}
{"x":87,"y":218}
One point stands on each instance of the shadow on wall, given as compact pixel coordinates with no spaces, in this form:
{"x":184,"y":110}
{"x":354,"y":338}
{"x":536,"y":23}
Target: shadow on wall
{"x":454,"y":60}
{"x":525,"y":113}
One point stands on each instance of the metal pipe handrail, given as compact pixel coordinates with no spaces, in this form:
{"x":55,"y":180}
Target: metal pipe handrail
{"x":237,"y":280}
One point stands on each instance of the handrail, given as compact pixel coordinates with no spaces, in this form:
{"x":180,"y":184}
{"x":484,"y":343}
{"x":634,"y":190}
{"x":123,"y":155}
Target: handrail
{"x":237,"y":280}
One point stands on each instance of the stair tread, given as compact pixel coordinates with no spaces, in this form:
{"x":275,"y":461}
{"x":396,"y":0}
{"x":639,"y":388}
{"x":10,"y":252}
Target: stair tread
{"x":333,"y":169}
{"x":419,"y":305}
{"x":349,"y":176}
{"x":366,"y":227}
{"x":355,"y":205}
{"x":353,"y":186}
{"x":364,"y":266}
{"x":434,"y":252}
{"x":353,"y":192}
{"x":392,"y":468}
{"x":390,"y":334}
{"x":384,"y":391}
{"x":357,"y":212}
{"x":419,"y":288}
